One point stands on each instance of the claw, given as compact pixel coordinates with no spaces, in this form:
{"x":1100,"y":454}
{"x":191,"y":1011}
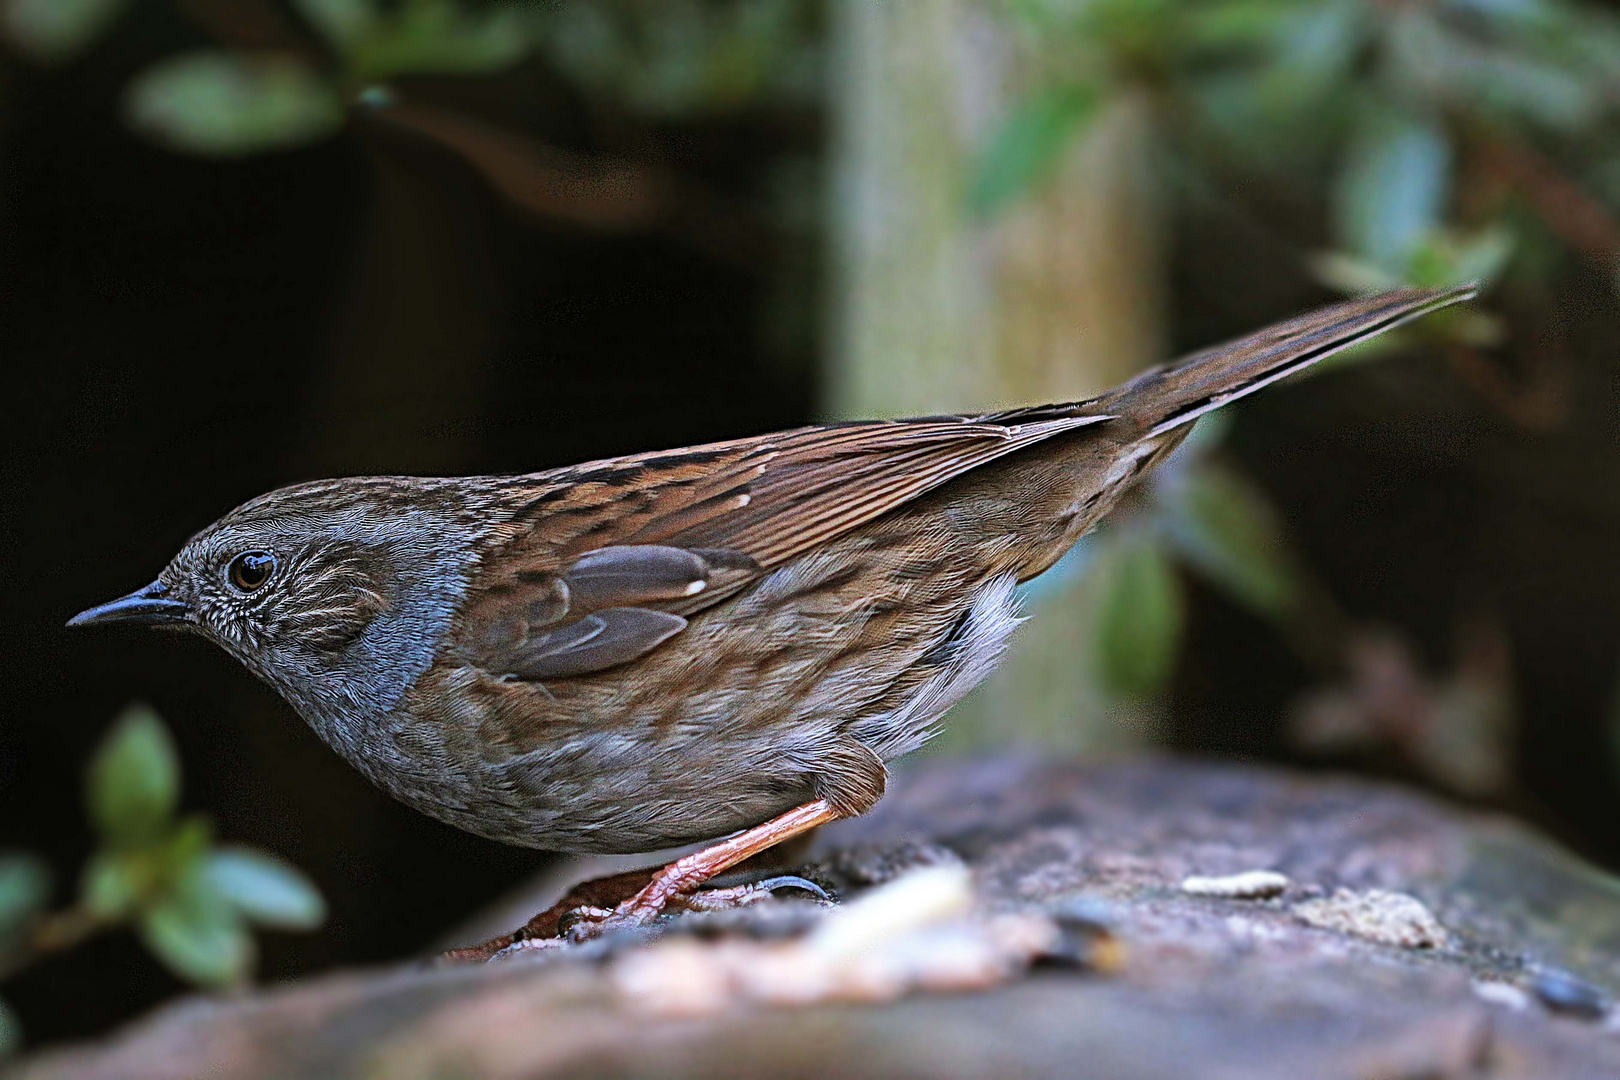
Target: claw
{"x":794,"y":881}
{"x":585,"y":913}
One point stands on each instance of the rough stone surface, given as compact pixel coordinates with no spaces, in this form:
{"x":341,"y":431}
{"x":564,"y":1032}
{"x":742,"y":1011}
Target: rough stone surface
{"x":1378,"y":915}
{"x":1188,"y":986}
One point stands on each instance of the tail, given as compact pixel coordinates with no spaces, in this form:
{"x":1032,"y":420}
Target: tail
{"x":1166,"y":398}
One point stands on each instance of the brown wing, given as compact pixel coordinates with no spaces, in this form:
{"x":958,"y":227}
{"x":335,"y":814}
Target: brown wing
{"x":703,"y":522}
{"x":600,"y":562}
{"x":796,"y":492}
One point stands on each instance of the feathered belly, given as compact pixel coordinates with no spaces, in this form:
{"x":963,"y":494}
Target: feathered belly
{"x":800,"y":687}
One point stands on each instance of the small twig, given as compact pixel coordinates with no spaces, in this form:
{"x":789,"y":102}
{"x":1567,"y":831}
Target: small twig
{"x":1568,"y":210}
{"x":597,"y":192}
{"x":53,"y":932}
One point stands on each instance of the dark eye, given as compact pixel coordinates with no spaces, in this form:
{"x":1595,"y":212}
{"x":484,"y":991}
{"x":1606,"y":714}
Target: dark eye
{"x":251,"y":569}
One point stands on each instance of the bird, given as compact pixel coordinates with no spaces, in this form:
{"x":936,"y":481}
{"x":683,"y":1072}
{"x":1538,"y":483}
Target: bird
{"x":731,"y":640}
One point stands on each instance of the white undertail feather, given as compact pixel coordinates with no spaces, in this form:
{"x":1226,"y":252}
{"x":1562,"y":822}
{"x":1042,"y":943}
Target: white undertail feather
{"x":981,"y":642}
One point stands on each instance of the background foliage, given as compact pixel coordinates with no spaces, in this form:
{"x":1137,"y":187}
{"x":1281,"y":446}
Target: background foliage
{"x":258,"y":240}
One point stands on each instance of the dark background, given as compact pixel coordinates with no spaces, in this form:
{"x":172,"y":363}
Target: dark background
{"x":181,"y":334}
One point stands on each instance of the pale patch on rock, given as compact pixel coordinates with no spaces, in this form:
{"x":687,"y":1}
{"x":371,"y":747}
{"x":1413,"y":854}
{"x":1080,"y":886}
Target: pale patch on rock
{"x":920,"y":932}
{"x":1390,"y":918}
{"x":1500,"y":993}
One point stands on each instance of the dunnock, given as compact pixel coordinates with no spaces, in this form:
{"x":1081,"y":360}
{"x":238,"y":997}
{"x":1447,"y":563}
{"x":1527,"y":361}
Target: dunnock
{"x":664,"y":648}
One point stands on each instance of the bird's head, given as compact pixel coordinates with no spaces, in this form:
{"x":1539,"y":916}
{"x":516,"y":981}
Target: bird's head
{"x":321,"y":589}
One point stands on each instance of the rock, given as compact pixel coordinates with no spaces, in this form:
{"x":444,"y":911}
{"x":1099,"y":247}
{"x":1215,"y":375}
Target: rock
{"x":1504,"y":994}
{"x":1562,"y":992}
{"x":1010,"y":917}
{"x":1378,"y":915}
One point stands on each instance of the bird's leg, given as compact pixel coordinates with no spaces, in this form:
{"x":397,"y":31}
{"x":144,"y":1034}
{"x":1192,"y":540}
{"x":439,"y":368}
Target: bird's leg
{"x":686,"y":874}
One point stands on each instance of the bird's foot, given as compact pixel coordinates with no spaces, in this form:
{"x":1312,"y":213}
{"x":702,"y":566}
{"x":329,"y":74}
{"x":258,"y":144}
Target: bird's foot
{"x":637,"y":899}
{"x":685,"y":876}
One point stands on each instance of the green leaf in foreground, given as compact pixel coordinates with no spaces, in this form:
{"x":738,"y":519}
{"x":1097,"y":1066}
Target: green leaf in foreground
{"x":10,"y":1031}
{"x":224,"y":104}
{"x":1139,"y":618}
{"x":25,"y":886}
{"x":111,"y":884}
{"x":265,"y":889}
{"x":54,"y":30}
{"x":198,"y":933}
{"x":1028,"y":145}
{"x":134,"y":781}
{"x":340,"y":22}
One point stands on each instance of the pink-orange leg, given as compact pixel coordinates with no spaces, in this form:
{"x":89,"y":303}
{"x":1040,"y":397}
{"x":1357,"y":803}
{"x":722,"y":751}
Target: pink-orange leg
{"x":686,"y":874}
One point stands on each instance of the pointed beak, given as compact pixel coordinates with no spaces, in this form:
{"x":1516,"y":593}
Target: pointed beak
{"x":151,"y":606}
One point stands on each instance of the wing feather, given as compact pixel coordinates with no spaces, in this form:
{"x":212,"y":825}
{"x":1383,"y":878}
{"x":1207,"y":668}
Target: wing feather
{"x":682,"y":529}
{"x":669,"y":534}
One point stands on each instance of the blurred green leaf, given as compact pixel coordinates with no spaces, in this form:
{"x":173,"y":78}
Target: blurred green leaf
{"x":1348,"y":274}
{"x":1482,"y":256}
{"x":25,"y":886}
{"x":1546,"y":82}
{"x":134,"y":781}
{"x":1223,"y":525}
{"x":188,"y":845}
{"x":224,"y":104}
{"x":1028,"y":145}
{"x":265,"y":889}
{"x":1314,"y":47}
{"x":197,"y":931}
{"x":341,"y":23}
{"x":54,"y":30}
{"x":436,"y":37}
{"x":1596,"y":43}
{"x":1133,"y":30}
{"x":1227,"y":23}
{"x":1139,"y":618}
{"x":1544,"y":92}
{"x":680,"y":57}
{"x":1447,"y":258}
{"x":1392,"y":186}
{"x":111,"y":884}
{"x":119,"y":880}
{"x":11,"y":1035}
{"x":1441,"y":258}
{"x":1513,"y":10}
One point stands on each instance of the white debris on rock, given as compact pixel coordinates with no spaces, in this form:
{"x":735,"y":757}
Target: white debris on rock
{"x":919,"y":932}
{"x":1501,"y":993}
{"x":1390,"y":918}
{"x":1249,"y":885}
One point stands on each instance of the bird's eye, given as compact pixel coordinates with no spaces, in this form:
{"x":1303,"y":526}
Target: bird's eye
{"x":251,"y":569}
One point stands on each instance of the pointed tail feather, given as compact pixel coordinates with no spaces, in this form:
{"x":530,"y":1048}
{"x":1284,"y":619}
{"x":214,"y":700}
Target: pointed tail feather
{"x":1165,"y":398}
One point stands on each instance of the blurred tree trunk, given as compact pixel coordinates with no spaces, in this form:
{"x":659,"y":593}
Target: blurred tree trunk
{"x":1056,"y":298}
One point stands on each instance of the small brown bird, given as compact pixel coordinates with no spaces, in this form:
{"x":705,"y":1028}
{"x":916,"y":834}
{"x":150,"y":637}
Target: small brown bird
{"x":669,"y":647}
